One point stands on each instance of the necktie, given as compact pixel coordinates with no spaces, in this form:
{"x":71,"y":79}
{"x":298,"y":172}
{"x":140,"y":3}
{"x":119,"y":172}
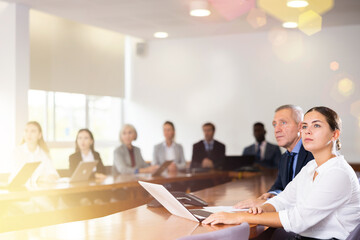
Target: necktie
{"x":290,"y":165}
{"x":258,"y":153}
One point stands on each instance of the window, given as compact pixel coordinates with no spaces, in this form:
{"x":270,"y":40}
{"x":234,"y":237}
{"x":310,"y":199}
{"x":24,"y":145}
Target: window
{"x":61,"y":115}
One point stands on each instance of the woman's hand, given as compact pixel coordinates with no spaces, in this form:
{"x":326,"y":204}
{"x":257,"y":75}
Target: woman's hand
{"x":261,"y":209}
{"x":100,"y":176}
{"x":224,"y":218}
{"x":256,"y":210}
{"x":172,"y":167}
{"x":151,"y":168}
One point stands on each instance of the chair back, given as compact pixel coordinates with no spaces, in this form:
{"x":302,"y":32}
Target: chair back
{"x":240,"y":232}
{"x":355,"y":234}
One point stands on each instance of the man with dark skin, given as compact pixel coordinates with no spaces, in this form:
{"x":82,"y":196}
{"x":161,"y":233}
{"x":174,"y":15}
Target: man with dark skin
{"x":266,"y":154}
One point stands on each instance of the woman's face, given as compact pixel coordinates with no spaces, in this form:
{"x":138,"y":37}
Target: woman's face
{"x":127,"y":136}
{"x":32,"y":134}
{"x":84,"y":141}
{"x":169,"y":132}
{"x":316,"y":133}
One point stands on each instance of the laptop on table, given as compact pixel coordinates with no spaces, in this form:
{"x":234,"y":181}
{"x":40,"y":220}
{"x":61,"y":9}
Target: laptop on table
{"x":162,"y":168}
{"x":82,"y":172}
{"x":238,"y":163}
{"x":161,"y":194}
{"x":19,"y":179}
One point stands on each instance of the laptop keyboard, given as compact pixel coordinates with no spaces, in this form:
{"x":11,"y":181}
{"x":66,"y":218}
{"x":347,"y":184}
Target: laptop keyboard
{"x":201,"y":213}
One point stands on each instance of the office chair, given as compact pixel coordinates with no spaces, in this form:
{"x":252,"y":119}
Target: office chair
{"x":240,"y":232}
{"x":355,"y":234}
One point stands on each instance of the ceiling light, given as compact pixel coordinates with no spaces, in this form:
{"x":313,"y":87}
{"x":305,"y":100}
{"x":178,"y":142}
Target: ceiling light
{"x":199,"y":8}
{"x":290,"y":25}
{"x":297,"y":3}
{"x":161,"y":34}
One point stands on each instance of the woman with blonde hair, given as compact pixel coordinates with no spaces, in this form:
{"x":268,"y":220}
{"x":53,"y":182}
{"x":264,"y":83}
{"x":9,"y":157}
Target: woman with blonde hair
{"x":33,"y":148}
{"x":127,"y":158}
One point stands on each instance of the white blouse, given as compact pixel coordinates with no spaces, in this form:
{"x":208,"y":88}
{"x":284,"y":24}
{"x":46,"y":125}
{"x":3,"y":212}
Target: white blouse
{"x":22,"y":155}
{"x":324,"y":208}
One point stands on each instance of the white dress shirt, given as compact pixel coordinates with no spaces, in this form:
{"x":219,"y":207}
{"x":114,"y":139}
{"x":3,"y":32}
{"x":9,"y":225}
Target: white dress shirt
{"x":324,"y":208}
{"x":22,"y":155}
{"x":88,"y":158}
{"x":262,"y":149}
{"x":169,"y":151}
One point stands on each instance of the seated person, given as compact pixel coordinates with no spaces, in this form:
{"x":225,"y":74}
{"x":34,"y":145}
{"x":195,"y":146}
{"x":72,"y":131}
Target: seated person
{"x":84,"y":151}
{"x":208,"y":153}
{"x":286,"y":122}
{"x":169,"y":149}
{"x":33,"y":148}
{"x":266,"y":154}
{"x":322,"y":201}
{"x":127,"y":158}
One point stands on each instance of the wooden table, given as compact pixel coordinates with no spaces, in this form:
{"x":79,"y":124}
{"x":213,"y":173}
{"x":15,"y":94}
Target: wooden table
{"x":111,"y":182}
{"x":137,"y":196}
{"x":150,"y":223}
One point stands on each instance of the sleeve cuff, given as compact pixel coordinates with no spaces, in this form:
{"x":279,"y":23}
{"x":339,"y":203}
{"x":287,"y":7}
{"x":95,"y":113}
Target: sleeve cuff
{"x":272,"y":201}
{"x":284,"y":220}
{"x":275,"y":192}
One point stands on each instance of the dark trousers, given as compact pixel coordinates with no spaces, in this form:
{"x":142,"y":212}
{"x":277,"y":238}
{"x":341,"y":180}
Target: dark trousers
{"x":281,"y":234}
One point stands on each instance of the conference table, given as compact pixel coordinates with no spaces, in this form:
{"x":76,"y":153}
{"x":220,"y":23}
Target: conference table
{"x":143,"y":222}
{"x":134,"y":196}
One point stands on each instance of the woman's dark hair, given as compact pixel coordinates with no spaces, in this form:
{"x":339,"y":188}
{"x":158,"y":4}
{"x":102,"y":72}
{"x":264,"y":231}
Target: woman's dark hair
{"x":77,"y":149}
{"x":169,"y":123}
{"x":332,"y":118}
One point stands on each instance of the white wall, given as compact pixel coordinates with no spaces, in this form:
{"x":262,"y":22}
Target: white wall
{"x":14,"y":77}
{"x":235,"y":80}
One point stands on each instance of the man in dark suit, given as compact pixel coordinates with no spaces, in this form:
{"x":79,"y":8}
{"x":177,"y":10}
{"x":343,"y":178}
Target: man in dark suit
{"x":208,"y":153}
{"x":287,"y":124}
{"x":266,"y":154}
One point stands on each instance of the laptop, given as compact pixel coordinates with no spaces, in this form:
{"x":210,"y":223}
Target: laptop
{"x":83,"y":171}
{"x":236,"y":163}
{"x":161,"y":194}
{"x":162,"y":168}
{"x":19,"y":178}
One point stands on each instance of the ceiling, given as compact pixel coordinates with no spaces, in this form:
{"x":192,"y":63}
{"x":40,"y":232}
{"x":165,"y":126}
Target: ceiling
{"x":141,"y":18}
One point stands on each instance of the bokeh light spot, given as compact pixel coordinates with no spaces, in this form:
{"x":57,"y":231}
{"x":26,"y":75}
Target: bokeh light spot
{"x":291,"y":49}
{"x":310,"y":22}
{"x":346,"y":87}
{"x":256,"y":18}
{"x":334,"y":66}
{"x":277,"y":36}
{"x":231,"y":9}
{"x":355,"y":109}
{"x":280,"y":10}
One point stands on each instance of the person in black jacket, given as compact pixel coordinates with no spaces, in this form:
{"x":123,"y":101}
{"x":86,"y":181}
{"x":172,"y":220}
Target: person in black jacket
{"x":84,"y":151}
{"x":208,"y":153}
{"x":266,"y":154}
{"x":287,"y":126}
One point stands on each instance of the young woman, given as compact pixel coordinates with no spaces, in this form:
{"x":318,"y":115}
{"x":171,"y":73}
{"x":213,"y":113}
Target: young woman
{"x":84,"y":151}
{"x":323,"y":200}
{"x":169,"y":149}
{"x":127,"y":158}
{"x":33,"y":148}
